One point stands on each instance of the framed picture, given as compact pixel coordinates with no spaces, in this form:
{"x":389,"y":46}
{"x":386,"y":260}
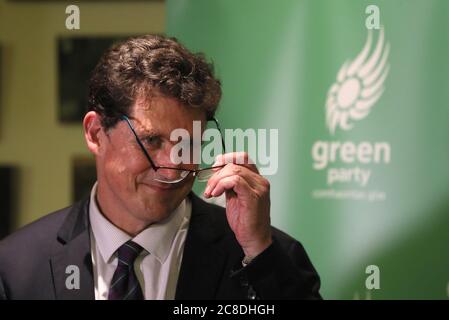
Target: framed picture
{"x":8,"y":198}
{"x":84,"y":175}
{"x":77,"y":57}
{"x":1,"y":85}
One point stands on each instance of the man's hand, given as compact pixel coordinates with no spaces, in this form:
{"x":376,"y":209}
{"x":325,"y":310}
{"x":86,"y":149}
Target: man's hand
{"x":247,"y":200}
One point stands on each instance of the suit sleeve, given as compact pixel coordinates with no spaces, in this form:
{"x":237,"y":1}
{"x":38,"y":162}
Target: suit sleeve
{"x":278,"y":273}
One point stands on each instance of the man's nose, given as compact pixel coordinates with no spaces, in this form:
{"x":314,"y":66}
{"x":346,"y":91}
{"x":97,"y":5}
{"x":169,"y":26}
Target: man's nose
{"x":164,"y":158}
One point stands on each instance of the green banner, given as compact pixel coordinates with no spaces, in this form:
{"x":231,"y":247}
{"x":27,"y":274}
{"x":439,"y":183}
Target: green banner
{"x":358,"y":91}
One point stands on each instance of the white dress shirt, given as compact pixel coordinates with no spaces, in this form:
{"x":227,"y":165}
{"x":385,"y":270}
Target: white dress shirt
{"x":157,"y":267}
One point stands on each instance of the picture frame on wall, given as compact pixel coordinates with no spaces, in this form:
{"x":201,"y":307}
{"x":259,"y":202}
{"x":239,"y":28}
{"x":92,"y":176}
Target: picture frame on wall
{"x":1,"y":86}
{"x":84,"y":175}
{"x":8,"y":198}
{"x":77,"y":57}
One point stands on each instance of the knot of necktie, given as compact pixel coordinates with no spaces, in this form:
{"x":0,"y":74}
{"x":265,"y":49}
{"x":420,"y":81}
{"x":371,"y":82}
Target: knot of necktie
{"x":128,"y":253}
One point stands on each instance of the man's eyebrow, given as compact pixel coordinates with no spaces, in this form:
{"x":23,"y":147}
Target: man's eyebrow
{"x":147,"y":131}
{"x":143,"y":133}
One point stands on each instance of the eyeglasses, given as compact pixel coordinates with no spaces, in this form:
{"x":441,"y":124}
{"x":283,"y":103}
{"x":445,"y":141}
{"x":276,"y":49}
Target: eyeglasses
{"x":176,"y":174}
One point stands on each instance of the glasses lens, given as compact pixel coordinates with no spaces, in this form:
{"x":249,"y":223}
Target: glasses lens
{"x":170,"y":175}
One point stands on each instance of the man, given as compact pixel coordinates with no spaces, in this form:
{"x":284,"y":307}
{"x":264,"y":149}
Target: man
{"x":142,"y":233}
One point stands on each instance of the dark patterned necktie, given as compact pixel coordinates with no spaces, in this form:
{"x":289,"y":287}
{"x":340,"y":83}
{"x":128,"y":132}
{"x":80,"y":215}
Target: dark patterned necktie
{"x":124,"y":283}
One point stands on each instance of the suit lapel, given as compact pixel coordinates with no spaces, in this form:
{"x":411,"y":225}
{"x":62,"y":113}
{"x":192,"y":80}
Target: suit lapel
{"x":204,"y":258}
{"x":73,"y":260}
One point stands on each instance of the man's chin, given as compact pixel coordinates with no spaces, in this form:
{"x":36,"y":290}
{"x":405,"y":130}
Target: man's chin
{"x":159,"y":203}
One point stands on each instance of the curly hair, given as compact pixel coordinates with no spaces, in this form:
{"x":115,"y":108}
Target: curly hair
{"x":151,"y":63}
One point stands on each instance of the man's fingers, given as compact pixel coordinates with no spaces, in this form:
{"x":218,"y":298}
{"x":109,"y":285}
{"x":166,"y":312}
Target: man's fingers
{"x":235,"y":183}
{"x":240,"y":158}
{"x":252,"y":178}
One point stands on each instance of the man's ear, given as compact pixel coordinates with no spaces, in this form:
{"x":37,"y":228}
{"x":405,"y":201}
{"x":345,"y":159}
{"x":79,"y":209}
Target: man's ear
{"x":93,"y":131}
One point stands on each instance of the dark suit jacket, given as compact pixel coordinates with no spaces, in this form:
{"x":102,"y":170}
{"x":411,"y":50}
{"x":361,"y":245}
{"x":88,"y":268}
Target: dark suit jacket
{"x":33,"y":260}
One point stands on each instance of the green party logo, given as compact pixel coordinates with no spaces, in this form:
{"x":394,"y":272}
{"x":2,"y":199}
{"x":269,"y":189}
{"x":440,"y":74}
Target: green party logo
{"x":359,"y":85}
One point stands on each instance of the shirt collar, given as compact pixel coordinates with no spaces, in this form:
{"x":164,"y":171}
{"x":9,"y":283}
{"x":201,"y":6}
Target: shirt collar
{"x":157,"y":239}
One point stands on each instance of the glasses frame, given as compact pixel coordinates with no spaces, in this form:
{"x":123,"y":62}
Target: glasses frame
{"x":156,"y":167}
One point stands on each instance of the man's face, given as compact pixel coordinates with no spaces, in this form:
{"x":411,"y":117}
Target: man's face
{"x":125,"y":176}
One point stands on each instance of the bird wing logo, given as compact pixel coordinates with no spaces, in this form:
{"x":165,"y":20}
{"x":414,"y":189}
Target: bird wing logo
{"x":359,"y":84}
